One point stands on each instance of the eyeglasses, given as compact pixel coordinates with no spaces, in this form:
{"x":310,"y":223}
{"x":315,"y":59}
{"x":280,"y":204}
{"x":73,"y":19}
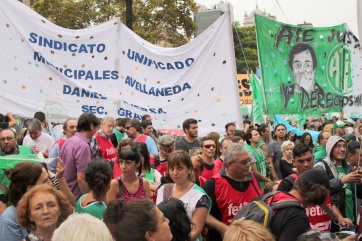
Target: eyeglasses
{"x":209,"y":146}
{"x":9,"y":138}
{"x":128,"y":127}
{"x":244,"y":162}
{"x":340,"y":146}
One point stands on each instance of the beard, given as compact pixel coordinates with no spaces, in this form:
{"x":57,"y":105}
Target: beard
{"x":9,"y":150}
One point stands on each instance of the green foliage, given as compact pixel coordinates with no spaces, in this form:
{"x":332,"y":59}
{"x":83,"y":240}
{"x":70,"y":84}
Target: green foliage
{"x":248,"y":44}
{"x":157,"y":21}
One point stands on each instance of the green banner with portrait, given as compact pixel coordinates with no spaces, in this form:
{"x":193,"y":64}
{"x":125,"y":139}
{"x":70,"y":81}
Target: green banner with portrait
{"x":309,"y":70}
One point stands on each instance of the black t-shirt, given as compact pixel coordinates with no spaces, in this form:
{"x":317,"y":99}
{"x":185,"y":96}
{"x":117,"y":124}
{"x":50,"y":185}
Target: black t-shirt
{"x":289,"y":223}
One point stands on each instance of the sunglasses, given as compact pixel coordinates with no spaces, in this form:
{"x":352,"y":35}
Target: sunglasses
{"x":128,"y":127}
{"x":209,"y":146}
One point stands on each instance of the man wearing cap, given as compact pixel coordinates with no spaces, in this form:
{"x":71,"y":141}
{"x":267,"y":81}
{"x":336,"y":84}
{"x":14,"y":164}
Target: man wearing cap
{"x":340,"y":131}
{"x":310,"y":188}
{"x":320,"y":149}
{"x":318,"y":218}
{"x":230,"y":189}
{"x":342,"y":177}
{"x":165,"y":148}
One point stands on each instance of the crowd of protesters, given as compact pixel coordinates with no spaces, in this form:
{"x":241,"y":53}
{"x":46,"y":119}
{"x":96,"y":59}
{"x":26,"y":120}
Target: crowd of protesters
{"x":117,"y":179}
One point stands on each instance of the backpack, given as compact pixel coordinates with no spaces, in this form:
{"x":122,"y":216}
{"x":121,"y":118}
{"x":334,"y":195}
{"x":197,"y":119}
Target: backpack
{"x":259,"y":211}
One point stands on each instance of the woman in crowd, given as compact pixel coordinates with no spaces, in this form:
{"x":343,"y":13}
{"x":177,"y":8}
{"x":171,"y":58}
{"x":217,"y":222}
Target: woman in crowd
{"x":257,"y":158}
{"x":180,"y":224}
{"x":24,"y":176}
{"x":198,"y":168}
{"x":130,"y":185}
{"x":196,"y":201}
{"x":307,"y":139}
{"x":137,"y":220}
{"x":98,"y":175}
{"x":152,"y":175}
{"x":247,"y":230}
{"x":125,"y":143}
{"x":286,"y":163}
{"x":42,"y":209}
{"x":82,"y":227}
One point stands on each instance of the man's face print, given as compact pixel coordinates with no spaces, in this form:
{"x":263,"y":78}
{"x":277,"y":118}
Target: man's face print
{"x":303,"y":70}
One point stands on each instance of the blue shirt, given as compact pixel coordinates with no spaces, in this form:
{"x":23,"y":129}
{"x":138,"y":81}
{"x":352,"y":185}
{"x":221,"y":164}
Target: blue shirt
{"x":10,"y":228}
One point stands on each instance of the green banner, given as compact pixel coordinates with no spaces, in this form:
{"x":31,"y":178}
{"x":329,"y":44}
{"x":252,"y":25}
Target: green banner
{"x":308,"y":70}
{"x":10,"y":161}
{"x":258,"y":102}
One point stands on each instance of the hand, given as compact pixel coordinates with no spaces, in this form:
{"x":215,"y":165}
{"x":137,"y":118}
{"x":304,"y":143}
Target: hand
{"x":35,"y":149}
{"x":60,"y":169}
{"x":352,"y":177}
{"x":345,"y":222}
{"x":9,"y":114}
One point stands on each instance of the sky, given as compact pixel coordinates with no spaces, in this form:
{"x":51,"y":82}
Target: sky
{"x":321,"y":13}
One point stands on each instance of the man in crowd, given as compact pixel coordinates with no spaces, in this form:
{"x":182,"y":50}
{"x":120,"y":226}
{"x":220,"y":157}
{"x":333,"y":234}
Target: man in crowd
{"x":101,"y":144}
{"x":342,"y":177}
{"x":147,"y":129}
{"x":340,"y":128}
{"x":318,"y":218}
{"x":208,"y":147}
{"x":320,"y":149}
{"x":134,"y":131}
{"x":9,"y":146}
{"x":39,"y":141}
{"x":76,"y":153}
{"x":232,"y":188}
{"x":119,"y":131}
{"x":223,"y":145}
{"x":9,"y":123}
{"x":69,"y":129}
{"x":264,"y":133}
{"x":230,"y":129}
{"x":44,"y":125}
{"x":189,"y":143}
{"x":274,"y":151}
{"x":166,"y":147}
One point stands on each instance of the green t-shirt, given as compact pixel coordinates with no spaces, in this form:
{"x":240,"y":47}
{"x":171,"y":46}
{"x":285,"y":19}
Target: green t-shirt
{"x":150,"y":176}
{"x":348,"y":196}
{"x":96,"y":209}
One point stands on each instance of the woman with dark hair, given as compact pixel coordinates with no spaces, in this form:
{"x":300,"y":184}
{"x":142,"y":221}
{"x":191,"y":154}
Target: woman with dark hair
{"x":180,"y":224}
{"x":137,"y":220}
{"x":125,"y":143}
{"x":24,"y":176}
{"x":42,"y":210}
{"x":152,"y":175}
{"x":196,"y":201}
{"x":130,"y":185}
{"x":307,"y":139}
{"x":98,"y":175}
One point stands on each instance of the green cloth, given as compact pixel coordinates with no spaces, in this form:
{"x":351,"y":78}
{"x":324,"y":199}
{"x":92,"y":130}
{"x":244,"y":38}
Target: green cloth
{"x":319,"y":152}
{"x":96,"y":209}
{"x":150,"y":176}
{"x":119,"y":135}
{"x":348,"y":196}
{"x":260,"y":161}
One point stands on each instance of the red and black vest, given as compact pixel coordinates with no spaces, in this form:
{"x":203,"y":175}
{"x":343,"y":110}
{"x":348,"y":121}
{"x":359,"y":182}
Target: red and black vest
{"x":230,"y":200}
{"x":106,"y":147}
{"x":141,"y":138}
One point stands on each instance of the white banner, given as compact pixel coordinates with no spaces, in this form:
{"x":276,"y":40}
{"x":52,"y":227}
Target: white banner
{"x":109,"y":70}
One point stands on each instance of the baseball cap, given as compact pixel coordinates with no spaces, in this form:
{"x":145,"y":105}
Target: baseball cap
{"x":350,"y":137}
{"x":340,"y":124}
{"x":315,"y":176}
{"x":167,"y":140}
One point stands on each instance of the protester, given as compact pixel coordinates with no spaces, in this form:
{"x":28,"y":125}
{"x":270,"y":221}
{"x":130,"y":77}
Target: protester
{"x":119,"y":131}
{"x":76,"y":153}
{"x":98,"y":176}
{"x":320,"y":149}
{"x":166,"y":147}
{"x":147,"y":129}
{"x":196,"y":201}
{"x":129,"y":186}
{"x":23,"y":176}
{"x":44,"y":125}
{"x":198,"y":167}
{"x":223,"y":145}
{"x":82,"y":227}
{"x":264,"y":133}
{"x":208,"y":148}
{"x":124,"y":144}
{"x":307,"y":139}
{"x":257,"y":158}
{"x":42,"y":210}
{"x":137,"y":220}
{"x":274,"y":151}
{"x":179,"y":222}
{"x":215,"y":136}
{"x":286,"y":163}
{"x":134,"y":131}
{"x":270,"y":187}
{"x":7,"y":124}
{"x":247,"y":230}
{"x":189,"y":143}
{"x":233,"y":187}
{"x":152,"y":175}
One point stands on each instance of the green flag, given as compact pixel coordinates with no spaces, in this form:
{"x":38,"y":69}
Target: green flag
{"x":258,"y":102}
{"x":308,"y":70}
{"x":10,"y":161}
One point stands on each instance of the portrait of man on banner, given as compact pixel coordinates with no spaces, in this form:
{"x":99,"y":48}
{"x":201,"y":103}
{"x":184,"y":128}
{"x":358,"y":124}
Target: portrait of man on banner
{"x":302,"y":62}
